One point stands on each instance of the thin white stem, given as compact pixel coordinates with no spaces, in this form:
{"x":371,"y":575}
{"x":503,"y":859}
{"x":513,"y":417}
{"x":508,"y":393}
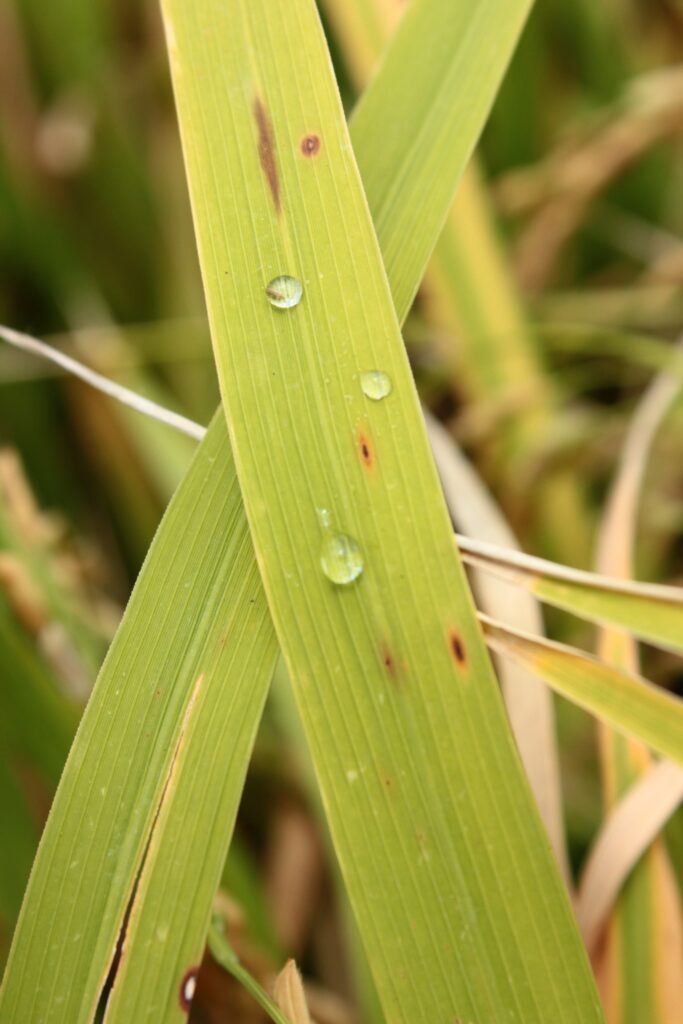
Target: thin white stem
{"x":480,"y":553}
{"x":124,"y":395}
{"x":489,"y":556}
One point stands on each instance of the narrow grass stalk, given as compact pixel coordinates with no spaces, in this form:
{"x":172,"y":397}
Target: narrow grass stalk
{"x":623,"y":699}
{"x":643,"y":962}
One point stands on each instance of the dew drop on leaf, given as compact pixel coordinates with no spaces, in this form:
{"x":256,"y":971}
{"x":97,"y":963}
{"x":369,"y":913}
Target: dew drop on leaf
{"x":375,"y":384}
{"x":284,"y":292}
{"x":188,"y":987}
{"x":341,"y":559}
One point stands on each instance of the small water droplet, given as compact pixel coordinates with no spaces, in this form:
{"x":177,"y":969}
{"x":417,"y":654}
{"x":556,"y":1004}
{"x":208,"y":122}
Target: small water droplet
{"x":341,"y":559}
{"x":324,"y":517}
{"x":284,"y":292}
{"x":188,"y":987}
{"x":375,"y":384}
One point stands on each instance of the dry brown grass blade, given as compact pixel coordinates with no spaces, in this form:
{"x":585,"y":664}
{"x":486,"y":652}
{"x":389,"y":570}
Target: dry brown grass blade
{"x":629,"y":830}
{"x":617,"y":536}
{"x":288,"y":992}
{"x":630,"y":838}
{"x":561,"y":190}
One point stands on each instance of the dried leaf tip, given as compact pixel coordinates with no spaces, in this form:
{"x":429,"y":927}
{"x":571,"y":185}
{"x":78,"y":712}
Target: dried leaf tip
{"x":288,"y":992}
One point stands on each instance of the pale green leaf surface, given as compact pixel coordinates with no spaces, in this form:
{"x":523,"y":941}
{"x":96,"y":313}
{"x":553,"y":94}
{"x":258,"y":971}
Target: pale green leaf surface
{"x":393,"y":758}
{"x":198,"y":807}
{"x":466,"y":63}
{"x":488,"y":346}
{"x":360,"y":26}
{"x":625,"y":701}
{"x":651,"y":611}
{"x":190,"y":592}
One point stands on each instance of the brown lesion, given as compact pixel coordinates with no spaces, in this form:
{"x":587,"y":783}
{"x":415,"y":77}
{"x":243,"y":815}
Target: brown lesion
{"x":310,"y":144}
{"x":456,"y":646}
{"x":266,"y":151}
{"x":365,"y":449}
{"x":389,"y":661}
{"x":396,"y":668}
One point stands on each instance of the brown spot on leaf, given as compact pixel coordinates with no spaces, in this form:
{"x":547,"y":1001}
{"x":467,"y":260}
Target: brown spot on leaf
{"x":187,"y":989}
{"x":388,"y":661}
{"x":457,"y":647}
{"x":310,"y":145}
{"x":365,"y":449}
{"x":266,"y":151}
{"x":388,"y":782}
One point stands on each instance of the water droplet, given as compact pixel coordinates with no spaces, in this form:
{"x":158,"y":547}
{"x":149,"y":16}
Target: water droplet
{"x":341,"y":559}
{"x":324,"y":517}
{"x":284,"y":292}
{"x":375,"y":384}
{"x":188,"y":987}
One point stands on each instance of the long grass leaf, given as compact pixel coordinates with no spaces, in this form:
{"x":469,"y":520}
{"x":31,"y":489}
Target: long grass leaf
{"x":114,"y":780}
{"x":496,"y":352}
{"x":651,"y":611}
{"x":325,"y":449}
{"x":643,"y":947}
{"x":361,"y":26}
{"x":625,"y":701}
{"x":467,"y":61}
{"x":634,"y":822}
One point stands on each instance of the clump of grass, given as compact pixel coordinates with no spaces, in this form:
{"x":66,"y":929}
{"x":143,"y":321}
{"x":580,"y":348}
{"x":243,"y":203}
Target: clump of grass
{"x":309,"y":538}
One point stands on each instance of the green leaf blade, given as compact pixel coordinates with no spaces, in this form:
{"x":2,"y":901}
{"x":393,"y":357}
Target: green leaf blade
{"x":395,"y":757}
{"x":114,"y":778}
{"x":467,"y":58}
{"x":626,"y":701}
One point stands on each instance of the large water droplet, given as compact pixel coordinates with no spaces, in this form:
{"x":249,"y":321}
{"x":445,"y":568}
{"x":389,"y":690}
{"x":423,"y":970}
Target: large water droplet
{"x":284,"y":292}
{"x":341,"y":558}
{"x":375,"y":384}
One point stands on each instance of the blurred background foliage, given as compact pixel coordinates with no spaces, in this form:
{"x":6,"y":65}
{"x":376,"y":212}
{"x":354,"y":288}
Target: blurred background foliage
{"x":580,"y":177}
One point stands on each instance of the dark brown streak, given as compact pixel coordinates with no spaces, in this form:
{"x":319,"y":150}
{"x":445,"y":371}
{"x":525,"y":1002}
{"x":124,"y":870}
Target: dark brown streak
{"x":388,"y":661}
{"x":457,"y":647}
{"x":366,"y":450}
{"x":266,"y":151}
